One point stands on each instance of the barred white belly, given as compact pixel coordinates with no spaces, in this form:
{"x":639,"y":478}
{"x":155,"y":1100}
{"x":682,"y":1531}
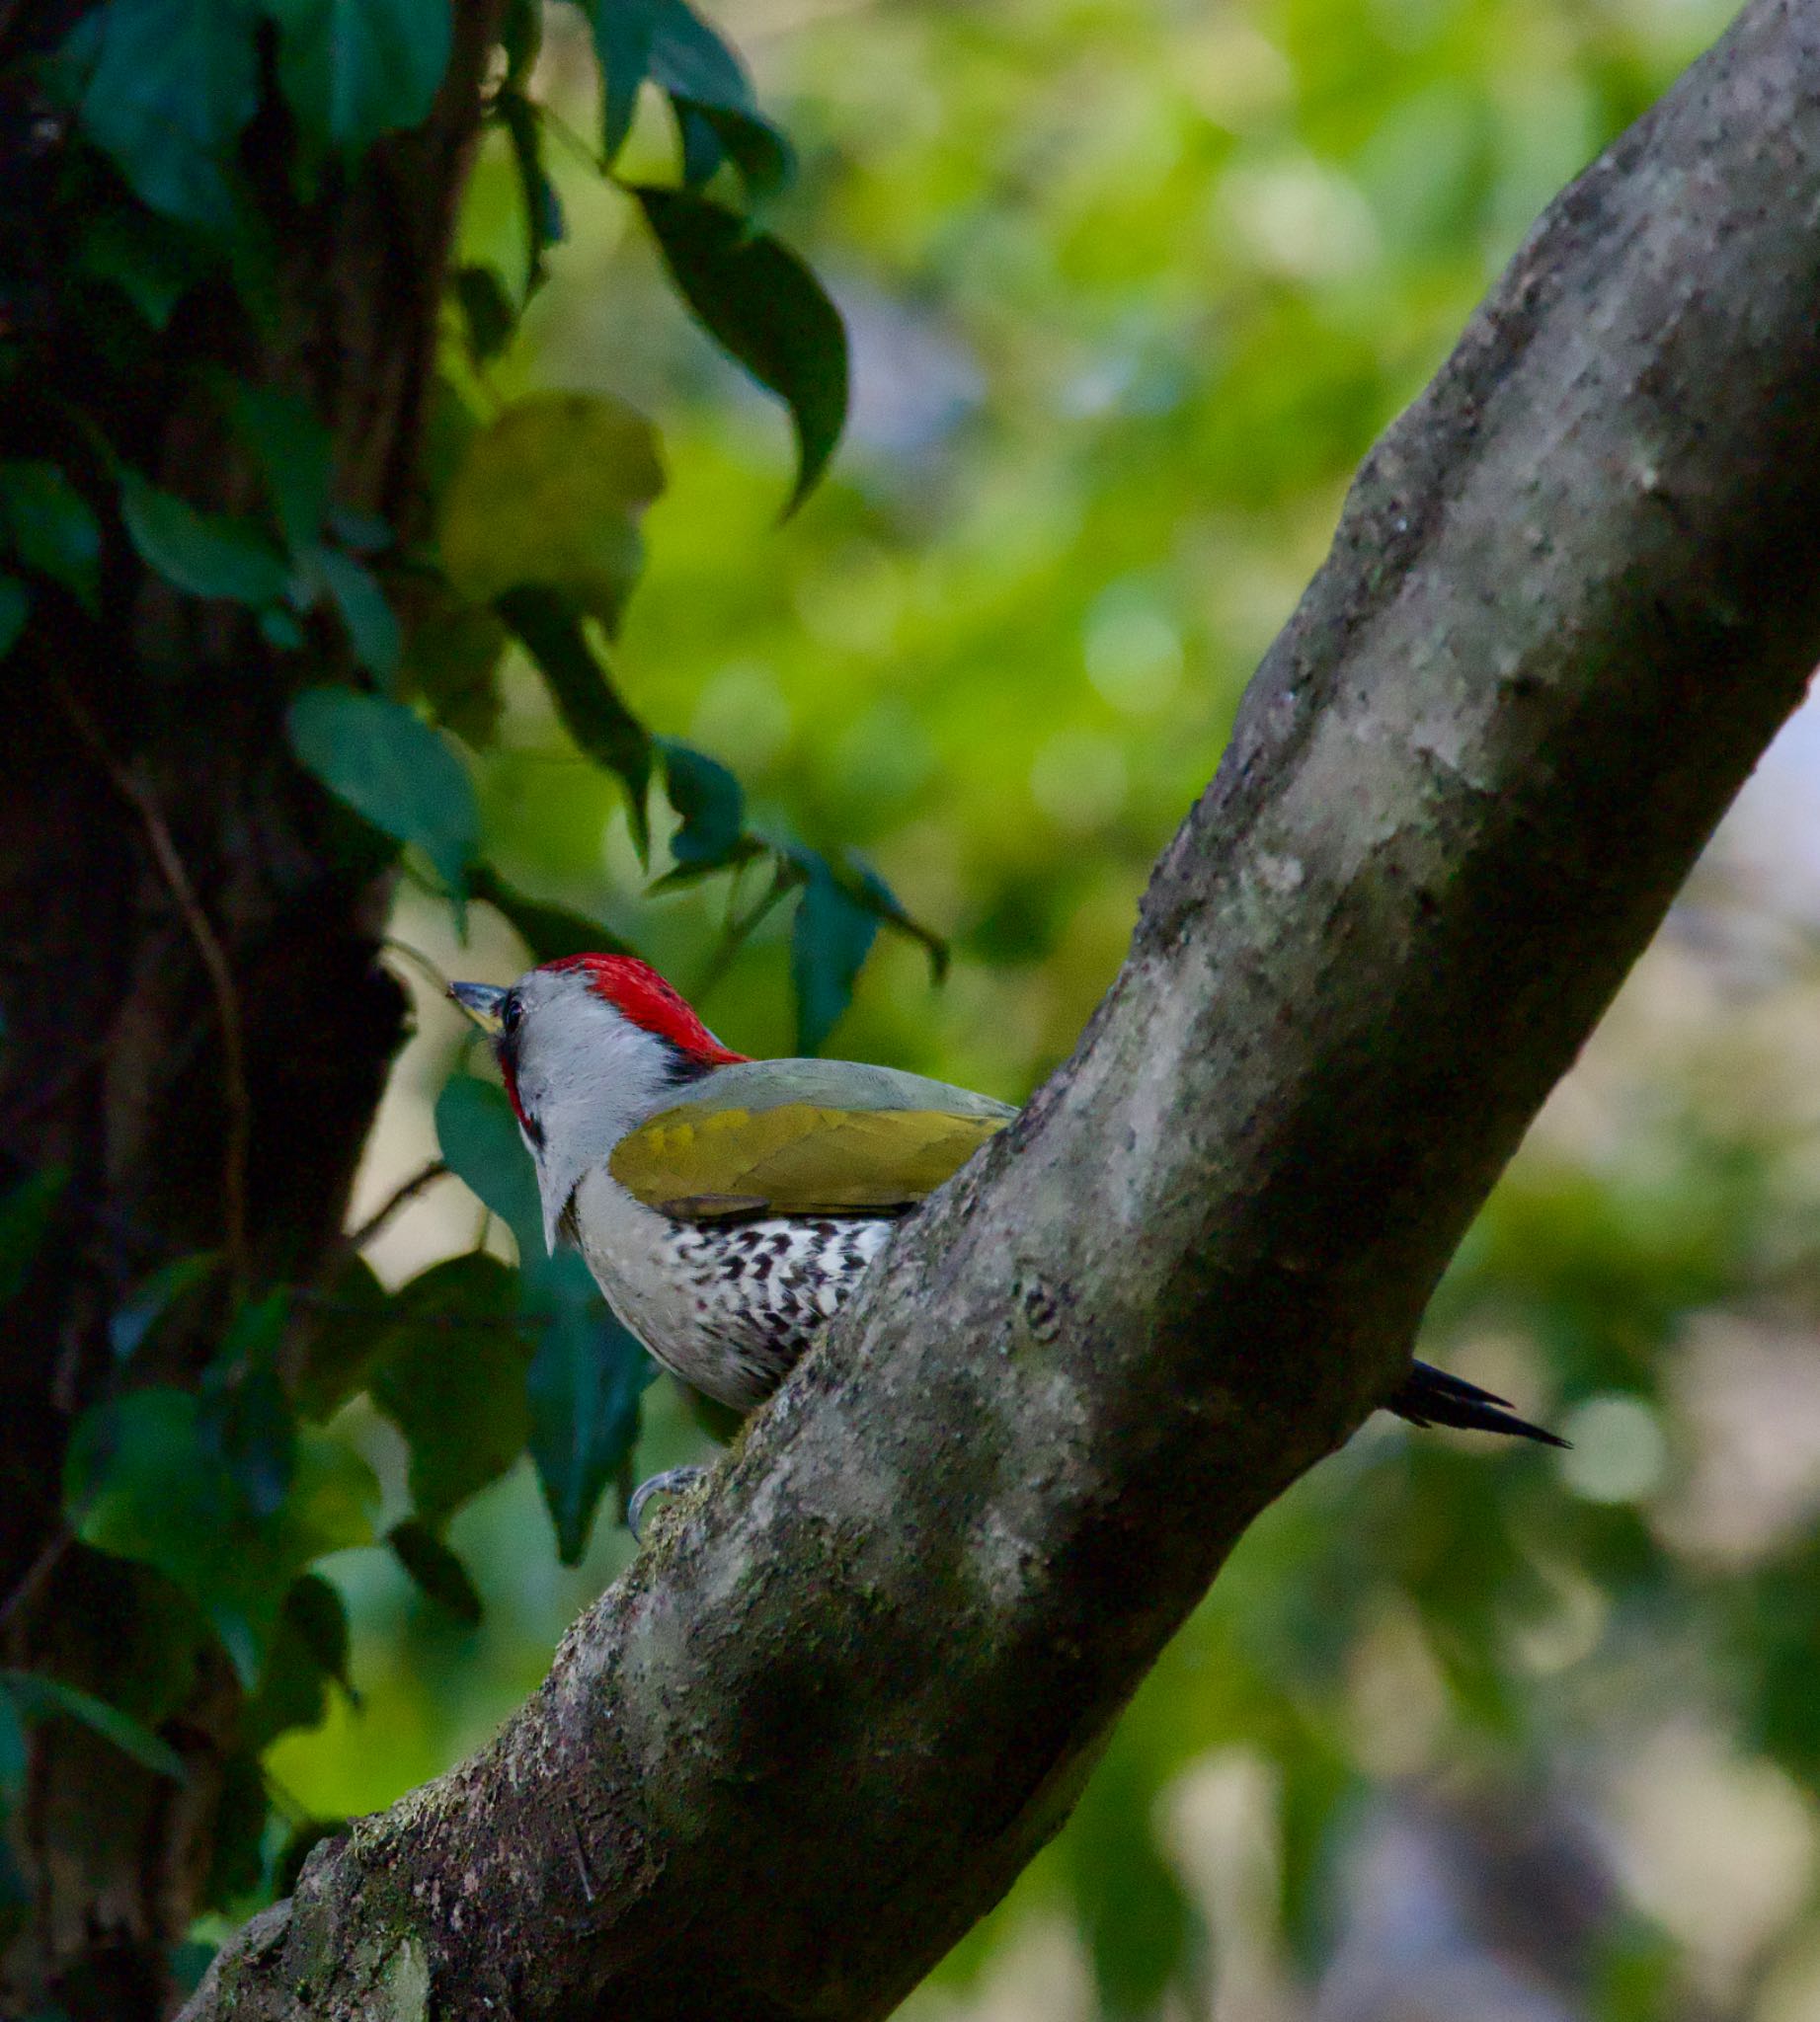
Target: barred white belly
{"x":728,"y":1306}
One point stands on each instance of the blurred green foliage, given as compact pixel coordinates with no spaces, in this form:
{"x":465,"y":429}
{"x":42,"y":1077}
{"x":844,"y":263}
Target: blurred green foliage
{"x":1129,"y":287}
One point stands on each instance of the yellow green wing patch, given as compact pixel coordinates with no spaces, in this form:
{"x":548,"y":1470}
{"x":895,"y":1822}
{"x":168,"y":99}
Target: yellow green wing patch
{"x":799,"y":1158}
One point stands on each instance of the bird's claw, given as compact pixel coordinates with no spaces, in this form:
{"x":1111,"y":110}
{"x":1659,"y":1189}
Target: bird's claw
{"x":672,"y":1481}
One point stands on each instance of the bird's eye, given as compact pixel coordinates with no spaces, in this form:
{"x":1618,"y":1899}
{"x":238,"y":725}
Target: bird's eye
{"x":510,"y":1014}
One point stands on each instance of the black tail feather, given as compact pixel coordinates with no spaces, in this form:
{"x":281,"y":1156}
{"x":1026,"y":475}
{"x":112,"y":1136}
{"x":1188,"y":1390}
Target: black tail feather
{"x":1431,"y":1397}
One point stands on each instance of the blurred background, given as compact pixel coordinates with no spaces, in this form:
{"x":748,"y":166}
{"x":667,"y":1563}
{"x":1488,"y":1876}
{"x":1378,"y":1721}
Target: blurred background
{"x":1462,"y":1732}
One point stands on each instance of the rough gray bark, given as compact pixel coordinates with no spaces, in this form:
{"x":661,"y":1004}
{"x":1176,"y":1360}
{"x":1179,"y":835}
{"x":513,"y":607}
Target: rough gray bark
{"x":820,"y":1727}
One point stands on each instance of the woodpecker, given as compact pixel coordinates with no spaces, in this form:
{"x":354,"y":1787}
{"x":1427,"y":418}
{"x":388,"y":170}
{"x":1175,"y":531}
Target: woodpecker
{"x":726,"y":1205}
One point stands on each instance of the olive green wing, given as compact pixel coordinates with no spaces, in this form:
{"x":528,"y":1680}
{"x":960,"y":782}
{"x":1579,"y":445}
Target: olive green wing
{"x":702,"y":1164}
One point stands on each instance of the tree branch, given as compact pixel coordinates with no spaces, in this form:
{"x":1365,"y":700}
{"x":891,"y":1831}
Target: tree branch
{"x":814,"y":1733}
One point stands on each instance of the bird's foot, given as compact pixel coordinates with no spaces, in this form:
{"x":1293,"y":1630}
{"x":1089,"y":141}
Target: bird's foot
{"x":671,"y":1482}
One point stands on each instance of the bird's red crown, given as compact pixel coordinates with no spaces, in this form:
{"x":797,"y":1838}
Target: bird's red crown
{"x":637,"y":992}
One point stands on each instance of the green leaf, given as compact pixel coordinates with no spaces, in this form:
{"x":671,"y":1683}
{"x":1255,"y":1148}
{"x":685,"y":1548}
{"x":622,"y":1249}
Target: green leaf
{"x":451,"y":1379}
{"x":205,"y":554}
{"x":549,"y":931}
{"x":451,"y":657}
{"x":355,"y":69}
{"x":680,"y":876}
{"x":14,"y":609}
{"x":41,"y":1698}
{"x":350,"y":1323}
{"x":372,"y":625}
{"x":522,"y":37}
{"x":173,"y":85}
{"x":758,"y":301}
{"x":25,"y":1222}
{"x":237,"y":1832}
{"x":481,"y":1145}
{"x":276,"y":627}
{"x":669,"y":42}
{"x":391,"y":768}
{"x":296,"y":459}
{"x":246,"y":1409}
{"x":585,"y":699}
{"x":550,"y":493}
{"x":309,"y":1652}
{"x":145,"y":1479}
{"x":829,"y":940}
{"x":361,"y":533}
{"x":46,"y":522}
{"x":543,"y":211}
{"x":709,"y":800}
{"x":152,"y":261}
{"x":13,"y":1755}
{"x":586,"y":1382}
{"x":136,"y":1316}
{"x":488,"y":313}
{"x":1138,"y":1922}
{"x":436,"y":1571}
{"x":758,"y":149}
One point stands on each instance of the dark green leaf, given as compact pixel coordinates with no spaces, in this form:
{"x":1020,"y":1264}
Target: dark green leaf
{"x":296,"y":459}
{"x":236,"y":1855}
{"x":829,"y":940}
{"x":41,"y":1698}
{"x":679,"y":877}
{"x":174,"y":82}
{"x":247,"y":1410}
{"x":372,"y":624}
{"x":549,"y":931}
{"x":362,"y":533}
{"x":309,"y":1651}
{"x":152,"y":1298}
{"x":488,"y":313}
{"x":758,"y":301}
{"x":522,"y":37}
{"x":871,"y":890}
{"x":153,"y":262}
{"x":355,"y":69}
{"x":481,"y":1145}
{"x":1133,"y":1912}
{"x":451,"y":657}
{"x":390,"y":767}
{"x":12,"y":1755}
{"x":702,"y":153}
{"x":709,"y":800}
{"x":711,"y":133}
{"x":14,"y":609}
{"x":47,"y":524}
{"x":189,"y":1961}
{"x":276,"y":627}
{"x":669,"y":42}
{"x":25,"y":1222}
{"x":586,"y":1382}
{"x":585,"y":699}
{"x":543,"y":211}
{"x":436,"y":1571}
{"x":314,"y":1609}
{"x":205,"y":554}
{"x":451,"y":1379}
{"x":349,"y":1320}
{"x":144,"y":1478}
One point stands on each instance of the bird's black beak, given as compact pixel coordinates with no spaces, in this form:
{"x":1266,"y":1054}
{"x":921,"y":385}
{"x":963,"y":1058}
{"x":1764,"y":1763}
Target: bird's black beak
{"x":483,"y":1002}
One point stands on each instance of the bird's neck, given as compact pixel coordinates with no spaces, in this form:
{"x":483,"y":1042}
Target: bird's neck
{"x":581,"y":1098}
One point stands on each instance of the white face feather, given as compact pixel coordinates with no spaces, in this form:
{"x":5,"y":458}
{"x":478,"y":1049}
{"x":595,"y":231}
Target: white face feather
{"x":586,"y":1075}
